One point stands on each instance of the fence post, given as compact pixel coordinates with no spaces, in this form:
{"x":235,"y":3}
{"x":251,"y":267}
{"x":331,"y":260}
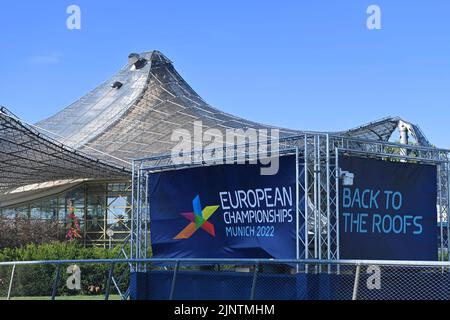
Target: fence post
{"x":11,"y":281}
{"x":108,"y":282}
{"x":174,"y":280}
{"x":55,"y":283}
{"x":356,"y":284}
{"x":255,"y":275}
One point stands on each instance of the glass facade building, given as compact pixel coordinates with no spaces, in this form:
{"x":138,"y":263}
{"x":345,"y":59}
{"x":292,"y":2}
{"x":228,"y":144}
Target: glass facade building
{"x":99,"y":206}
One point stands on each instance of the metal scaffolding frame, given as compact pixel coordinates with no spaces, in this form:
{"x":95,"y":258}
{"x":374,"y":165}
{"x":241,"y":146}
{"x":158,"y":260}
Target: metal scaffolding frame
{"x":138,"y":118}
{"x":317,"y":177}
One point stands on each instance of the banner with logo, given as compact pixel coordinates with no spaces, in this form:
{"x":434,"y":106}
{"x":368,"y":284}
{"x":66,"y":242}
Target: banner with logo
{"x":224,"y":211}
{"x":389,"y":212}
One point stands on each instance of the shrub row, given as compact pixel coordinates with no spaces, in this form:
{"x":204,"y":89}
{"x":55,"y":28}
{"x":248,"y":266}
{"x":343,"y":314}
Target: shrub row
{"x":38,"y":280}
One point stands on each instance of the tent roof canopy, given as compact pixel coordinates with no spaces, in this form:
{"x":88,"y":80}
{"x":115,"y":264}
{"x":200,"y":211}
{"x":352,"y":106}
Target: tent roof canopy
{"x":97,"y":136}
{"x":28,"y":157}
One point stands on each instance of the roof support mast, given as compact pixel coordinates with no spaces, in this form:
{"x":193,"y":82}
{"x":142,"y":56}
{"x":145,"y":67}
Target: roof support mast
{"x":403,"y":129}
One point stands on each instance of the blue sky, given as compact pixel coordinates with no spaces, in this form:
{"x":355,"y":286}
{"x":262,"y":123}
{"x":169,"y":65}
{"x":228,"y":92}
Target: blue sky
{"x":309,"y":65}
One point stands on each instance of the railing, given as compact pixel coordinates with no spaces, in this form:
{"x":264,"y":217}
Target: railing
{"x":222,"y":279}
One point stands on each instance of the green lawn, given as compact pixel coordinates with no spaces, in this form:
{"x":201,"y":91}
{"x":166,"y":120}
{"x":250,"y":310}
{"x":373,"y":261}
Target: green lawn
{"x":111,"y":297}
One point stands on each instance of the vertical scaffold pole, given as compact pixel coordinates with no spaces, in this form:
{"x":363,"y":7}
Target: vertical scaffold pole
{"x":297,"y":201}
{"x":147,"y":215}
{"x":448,"y":208}
{"x":319,"y":198}
{"x":138,"y":217}
{"x":337,"y":205}
{"x":441,"y":215}
{"x":328,"y":199}
{"x":133,"y":209}
{"x":315,"y":200}
{"x":306,"y":198}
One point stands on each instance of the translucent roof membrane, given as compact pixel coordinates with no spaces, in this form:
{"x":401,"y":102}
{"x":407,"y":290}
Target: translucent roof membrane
{"x":119,"y":123}
{"x":28,"y":157}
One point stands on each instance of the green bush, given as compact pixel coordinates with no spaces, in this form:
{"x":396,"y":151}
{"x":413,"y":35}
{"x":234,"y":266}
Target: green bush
{"x":37,"y":280}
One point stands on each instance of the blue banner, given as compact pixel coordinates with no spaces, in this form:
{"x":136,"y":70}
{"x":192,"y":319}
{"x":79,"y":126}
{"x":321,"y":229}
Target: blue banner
{"x":224,"y":211}
{"x":389,"y":213}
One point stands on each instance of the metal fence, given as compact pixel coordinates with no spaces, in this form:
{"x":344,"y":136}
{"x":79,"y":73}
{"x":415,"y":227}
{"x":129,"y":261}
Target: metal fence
{"x":223,"y":279}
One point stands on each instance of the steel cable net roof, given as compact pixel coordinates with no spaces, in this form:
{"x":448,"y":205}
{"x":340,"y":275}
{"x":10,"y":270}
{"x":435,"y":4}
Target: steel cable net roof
{"x":383,"y":129}
{"x":28,"y":157}
{"x":131,"y":115}
{"x":139,"y":118}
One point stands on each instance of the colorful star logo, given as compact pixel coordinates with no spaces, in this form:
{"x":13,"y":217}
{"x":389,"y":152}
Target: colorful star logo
{"x":199,"y":219}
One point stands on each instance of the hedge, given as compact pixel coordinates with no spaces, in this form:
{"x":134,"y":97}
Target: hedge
{"x":37,"y":280}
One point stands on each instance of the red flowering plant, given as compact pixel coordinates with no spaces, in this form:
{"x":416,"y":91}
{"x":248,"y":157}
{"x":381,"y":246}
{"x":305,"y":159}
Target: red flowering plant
{"x":73,"y":224}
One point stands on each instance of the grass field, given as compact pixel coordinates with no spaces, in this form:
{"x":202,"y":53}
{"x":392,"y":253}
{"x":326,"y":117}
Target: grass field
{"x":66,"y":298}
